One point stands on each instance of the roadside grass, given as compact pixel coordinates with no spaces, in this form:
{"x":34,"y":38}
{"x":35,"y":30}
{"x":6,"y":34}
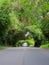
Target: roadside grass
{"x":46,"y":46}
{"x":3,"y":47}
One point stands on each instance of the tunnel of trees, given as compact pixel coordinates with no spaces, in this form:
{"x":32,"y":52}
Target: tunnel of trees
{"x":17,"y":17}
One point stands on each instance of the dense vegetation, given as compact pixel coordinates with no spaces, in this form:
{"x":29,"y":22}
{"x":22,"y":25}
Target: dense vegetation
{"x":17,"y":17}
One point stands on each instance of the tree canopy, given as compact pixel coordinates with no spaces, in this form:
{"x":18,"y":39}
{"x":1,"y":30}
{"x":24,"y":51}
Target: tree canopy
{"x":20,"y":16}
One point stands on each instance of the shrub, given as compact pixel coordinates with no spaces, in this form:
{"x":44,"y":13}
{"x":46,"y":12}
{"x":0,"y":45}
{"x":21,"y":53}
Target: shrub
{"x":46,"y":45}
{"x":31,"y":42}
{"x":19,"y":43}
{"x":37,"y":34}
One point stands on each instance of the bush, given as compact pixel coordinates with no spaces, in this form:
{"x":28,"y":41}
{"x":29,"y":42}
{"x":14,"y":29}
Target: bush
{"x":37,"y":34}
{"x":46,"y":45}
{"x":31,"y":42}
{"x":19,"y":43}
{"x":4,"y":19}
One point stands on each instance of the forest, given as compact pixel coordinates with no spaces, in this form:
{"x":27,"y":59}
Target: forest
{"x":19,"y":17}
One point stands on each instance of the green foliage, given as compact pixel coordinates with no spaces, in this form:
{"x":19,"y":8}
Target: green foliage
{"x":36,"y":30}
{"x":14,"y":36}
{"x":31,"y":42}
{"x":22,"y":16}
{"x":2,"y":47}
{"x":19,"y":43}
{"x":45,"y":46}
{"x":4,"y":19}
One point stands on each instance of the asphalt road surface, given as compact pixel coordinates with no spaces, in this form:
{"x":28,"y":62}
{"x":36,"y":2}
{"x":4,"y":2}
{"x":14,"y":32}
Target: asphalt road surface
{"x":24,"y":56}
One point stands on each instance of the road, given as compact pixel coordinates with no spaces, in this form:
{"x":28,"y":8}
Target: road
{"x":24,"y":56}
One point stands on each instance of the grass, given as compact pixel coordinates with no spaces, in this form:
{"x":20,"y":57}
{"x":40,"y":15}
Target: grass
{"x":46,"y":46}
{"x":2,"y":47}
